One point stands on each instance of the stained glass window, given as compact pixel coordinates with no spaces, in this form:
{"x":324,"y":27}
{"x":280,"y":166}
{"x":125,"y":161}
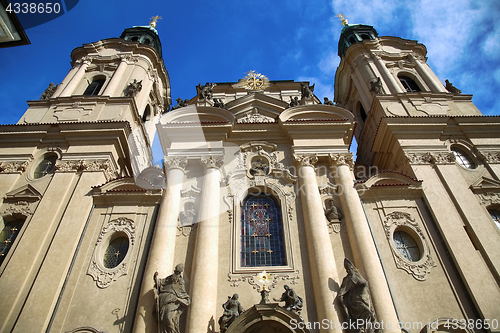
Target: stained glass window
{"x":406,"y":245}
{"x":116,"y":251}
{"x":8,"y":236}
{"x":262,"y":242}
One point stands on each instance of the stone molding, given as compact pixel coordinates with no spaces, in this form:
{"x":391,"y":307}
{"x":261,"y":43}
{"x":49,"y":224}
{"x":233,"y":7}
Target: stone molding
{"x":430,"y":158}
{"x":103,"y":165}
{"x":105,"y":276}
{"x":254,"y":117}
{"x":176,"y":162}
{"x":340,"y":159}
{"x":306,"y":160}
{"x":13,"y":167}
{"x":212,"y":162}
{"x":403,"y":221}
{"x":491,"y":157}
{"x":235,"y":280}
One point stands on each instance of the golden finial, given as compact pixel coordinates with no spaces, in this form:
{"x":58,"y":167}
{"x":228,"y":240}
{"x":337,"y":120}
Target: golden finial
{"x":155,"y":19}
{"x":343,"y":19}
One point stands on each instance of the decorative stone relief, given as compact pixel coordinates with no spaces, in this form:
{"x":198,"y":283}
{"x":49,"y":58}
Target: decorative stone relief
{"x":13,"y":167}
{"x":254,"y":117}
{"x":212,"y":162}
{"x":20,"y":207}
{"x":175,"y":162}
{"x":428,"y":157}
{"x":88,"y":166}
{"x":491,"y":157}
{"x":306,"y":160}
{"x":235,"y":280}
{"x":489,"y":198}
{"x":342,"y":159}
{"x":104,"y":276}
{"x":403,"y":221}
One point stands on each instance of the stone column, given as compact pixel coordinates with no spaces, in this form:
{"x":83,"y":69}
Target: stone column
{"x":117,"y":77}
{"x":426,"y":74}
{"x":161,"y":254}
{"x":205,"y":262}
{"x":393,"y":86}
{"x":75,"y":80}
{"x":142,"y":98}
{"x":362,"y":243}
{"x":323,"y":267}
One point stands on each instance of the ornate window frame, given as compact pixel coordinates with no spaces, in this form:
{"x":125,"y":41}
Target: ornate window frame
{"x":401,"y":221}
{"x":115,"y":228}
{"x":242,"y":182}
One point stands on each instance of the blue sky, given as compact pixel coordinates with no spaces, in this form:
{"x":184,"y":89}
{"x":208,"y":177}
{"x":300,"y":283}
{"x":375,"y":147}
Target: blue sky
{"x":219,"y":41}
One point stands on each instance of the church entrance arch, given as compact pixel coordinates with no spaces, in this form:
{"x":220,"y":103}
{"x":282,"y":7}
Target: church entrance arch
{"x":267,"y":318}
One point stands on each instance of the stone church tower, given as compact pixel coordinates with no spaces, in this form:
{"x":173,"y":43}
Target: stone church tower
{"x":259,"y":197}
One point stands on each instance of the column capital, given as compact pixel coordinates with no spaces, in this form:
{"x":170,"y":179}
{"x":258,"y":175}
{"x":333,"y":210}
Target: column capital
{"x":212,"y":162}
{"x":177,"y":162}
{"x":87,"y":60}
{"x":306,"y":160}
{"x":339,"y":159}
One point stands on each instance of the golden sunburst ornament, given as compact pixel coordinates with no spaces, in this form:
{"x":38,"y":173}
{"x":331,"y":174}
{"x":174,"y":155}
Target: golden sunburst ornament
{"x":265,"y":279}
{"x":254,"y":81}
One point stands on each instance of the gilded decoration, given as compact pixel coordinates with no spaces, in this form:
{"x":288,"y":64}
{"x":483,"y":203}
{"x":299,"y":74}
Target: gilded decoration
{"x":401,"y":221}
{"x":340,"y":159}
{"x":86,"y":166}
{"x":253,"y":279}
{"x":105,"y":276}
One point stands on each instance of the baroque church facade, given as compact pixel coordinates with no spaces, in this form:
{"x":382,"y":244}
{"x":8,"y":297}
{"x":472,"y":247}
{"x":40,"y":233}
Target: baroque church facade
{"x":258,"y":196}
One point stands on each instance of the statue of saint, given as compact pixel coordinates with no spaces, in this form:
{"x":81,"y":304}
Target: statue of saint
{"x":49,"y":91}
{"x":332,"y":212}
{"x":293,"y":302}
{"x":171,"y":300}
{"x":355,"y":300}
{"x":232,"y":309}
{"x":205,"y":92}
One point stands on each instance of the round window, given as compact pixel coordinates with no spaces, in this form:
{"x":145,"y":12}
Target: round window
{"x":463,"y":158}
{"x":406,"y":245}
{"x":116,"y":252}
{"x":46,"y":166}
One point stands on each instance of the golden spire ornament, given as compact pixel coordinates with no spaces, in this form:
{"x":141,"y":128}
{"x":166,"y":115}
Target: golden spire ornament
{"x":343,"y":19}
{"x":154,"y":20}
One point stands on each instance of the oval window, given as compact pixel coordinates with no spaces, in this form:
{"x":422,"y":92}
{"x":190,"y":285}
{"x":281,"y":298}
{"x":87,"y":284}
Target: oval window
{"x":406,"y":245}
{"x":463,"y":158}
{"x":46,"y":166}
{"x":116,"y":252}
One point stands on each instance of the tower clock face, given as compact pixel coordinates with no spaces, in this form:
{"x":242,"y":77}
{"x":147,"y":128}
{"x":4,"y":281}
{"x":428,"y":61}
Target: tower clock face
{"x":255,"y":81}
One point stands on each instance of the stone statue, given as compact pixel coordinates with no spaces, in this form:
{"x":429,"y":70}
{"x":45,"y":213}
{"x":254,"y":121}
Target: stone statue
{"x":232,"y":309}
{"x":133,"y":88}
{"x":327,"y":101}
{"x":218,"y":103}
{"x":49,"y":91}
{"x":171,"y":300}
{"x":187,"y":216}
{"x":332,"y":212}
{"x":354,"y":297}
{"x":307,"y":90}
{"x":376,"y":86}
{"x":259,"y":167}
{"x":451,"y":88}
{"x":294,"y":101}
{"x":180,"y":103}
{"x":205,"y":92}
{"x":293,"y":302}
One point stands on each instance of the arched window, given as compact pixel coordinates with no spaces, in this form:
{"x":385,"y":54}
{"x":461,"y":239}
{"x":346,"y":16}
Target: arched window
{"x":362,"y":112}
{"x":463,"y":158}
{"x":409,"y":84}
{"x":94,"y":88}
{"x":8,"y":236}
{"x":262,"y":242}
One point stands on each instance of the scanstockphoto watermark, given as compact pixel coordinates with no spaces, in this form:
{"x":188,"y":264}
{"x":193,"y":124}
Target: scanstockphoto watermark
{"x":359,"y":324}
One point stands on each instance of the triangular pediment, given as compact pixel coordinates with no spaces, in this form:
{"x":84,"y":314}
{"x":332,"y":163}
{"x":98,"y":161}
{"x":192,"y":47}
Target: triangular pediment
{"x":24,"y":193}
{"x":260,"y":105}
{"x":485,"y":183}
